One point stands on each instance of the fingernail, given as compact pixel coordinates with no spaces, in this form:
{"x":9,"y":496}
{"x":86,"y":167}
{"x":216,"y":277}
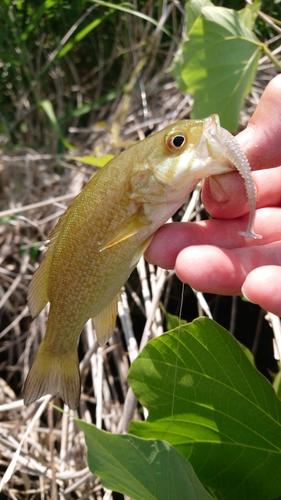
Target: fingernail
{"x":216,"y":191}
{"x":244,"y":294}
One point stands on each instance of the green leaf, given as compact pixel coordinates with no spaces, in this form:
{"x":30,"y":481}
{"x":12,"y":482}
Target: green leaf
{"x":33,"y":250}
{"x":93,"y":160}
{"x":7,"y":219}
{"x":172,"y":321}
{"x":249,"y":14}
{"x":277,"y":384}
{"x":217,"y":61}
{"x":248,"y":353}
{"x":140,"y":468}
{"x":206,"y":399}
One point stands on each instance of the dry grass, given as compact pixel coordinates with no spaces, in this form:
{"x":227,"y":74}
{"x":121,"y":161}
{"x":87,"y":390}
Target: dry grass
{"x":47,"y":447}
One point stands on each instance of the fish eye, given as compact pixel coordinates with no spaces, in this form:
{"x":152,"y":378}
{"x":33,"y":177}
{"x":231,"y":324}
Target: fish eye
{"x":175,"y":142}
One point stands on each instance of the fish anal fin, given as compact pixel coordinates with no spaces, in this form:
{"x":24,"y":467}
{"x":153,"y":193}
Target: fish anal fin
{"x":105,"y":321}
{"x":37,"y":296}
{"x":126,"y":229}
{"x":53,"y":375}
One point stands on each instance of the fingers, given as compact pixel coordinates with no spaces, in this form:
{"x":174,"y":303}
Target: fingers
{"x":252,"y":270}
{"x":262,"y":286}
{"x":261,"y":143}
{"x":210,"y":255}
{"x":224,"y":196}
{"x":171,"y":239}
{"x":216,"y":270}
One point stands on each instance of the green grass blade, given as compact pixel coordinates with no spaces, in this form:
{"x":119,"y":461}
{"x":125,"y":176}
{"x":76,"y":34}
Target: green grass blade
{"x":79,"y":36}
{"x":93,"y":160}
{"x":127,"y":10}
{"x":47,"y":106}
{"x":38,"y":14}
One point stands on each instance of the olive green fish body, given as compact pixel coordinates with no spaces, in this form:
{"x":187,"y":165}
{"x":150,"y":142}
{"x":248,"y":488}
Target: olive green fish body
{"x":98,"y":241}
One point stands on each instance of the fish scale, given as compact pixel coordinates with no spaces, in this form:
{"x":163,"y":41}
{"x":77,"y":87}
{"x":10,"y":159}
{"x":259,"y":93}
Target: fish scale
{"x":99,"y":239}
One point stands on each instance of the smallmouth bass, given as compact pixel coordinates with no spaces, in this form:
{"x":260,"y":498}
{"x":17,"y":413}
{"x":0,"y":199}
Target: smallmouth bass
{"x":98,"y":241}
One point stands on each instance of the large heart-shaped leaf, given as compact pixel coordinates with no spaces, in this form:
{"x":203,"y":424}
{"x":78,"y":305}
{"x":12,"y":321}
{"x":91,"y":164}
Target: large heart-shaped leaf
{"x":140,"y":468}
{"x":217,"y":61}
{"x":207,"y":400}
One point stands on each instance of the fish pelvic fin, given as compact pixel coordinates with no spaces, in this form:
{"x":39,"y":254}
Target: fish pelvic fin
{"x":105,"y":321}
{"x":140,"y":251}
{"x":53,"y":374}
{"x":126,"y":229}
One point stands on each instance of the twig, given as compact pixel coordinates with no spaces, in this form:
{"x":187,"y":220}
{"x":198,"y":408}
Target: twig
{"x":13,"y":463}
{"x":203,"y":303}
{"x":275,"y":324}
{"x":131,"y":401}
{"x":16,"y":281}
{"x":39,"y":204}
{"x":24,"y":313}
{"x":125,"y":318}
{"x":99,"y":387}
{"x":154,"y":278}
{"x":154,"y":304}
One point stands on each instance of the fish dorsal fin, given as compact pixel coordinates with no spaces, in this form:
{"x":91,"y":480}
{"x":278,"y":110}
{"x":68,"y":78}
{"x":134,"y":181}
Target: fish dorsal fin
{"x":38,"y":289}
{"x":126,"y":229}
{"x":105,"y":321}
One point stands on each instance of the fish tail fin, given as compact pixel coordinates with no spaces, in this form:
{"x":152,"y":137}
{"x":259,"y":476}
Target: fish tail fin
{"x":53,"y":374}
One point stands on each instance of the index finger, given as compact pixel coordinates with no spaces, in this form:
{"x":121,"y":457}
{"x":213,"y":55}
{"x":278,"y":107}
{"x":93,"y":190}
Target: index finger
{"x":171,"y":238}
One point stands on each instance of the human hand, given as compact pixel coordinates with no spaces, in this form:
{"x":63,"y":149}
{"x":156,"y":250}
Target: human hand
{"x":210,"y":255}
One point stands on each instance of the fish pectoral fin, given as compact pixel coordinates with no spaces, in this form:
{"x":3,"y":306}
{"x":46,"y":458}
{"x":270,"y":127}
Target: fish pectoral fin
{"x":105,"y":321}
{"x":53,"y":374}
{"x":126,"y":229}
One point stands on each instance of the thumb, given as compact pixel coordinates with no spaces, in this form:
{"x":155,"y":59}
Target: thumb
{"x":224,"y":195}
{"x":261,"y":139}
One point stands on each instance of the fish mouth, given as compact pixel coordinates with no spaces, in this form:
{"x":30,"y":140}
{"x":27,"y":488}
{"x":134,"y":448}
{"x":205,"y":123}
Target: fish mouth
{"x":212,"y":149}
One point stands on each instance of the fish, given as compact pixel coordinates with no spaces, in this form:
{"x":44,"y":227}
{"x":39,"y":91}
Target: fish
{"x":100,"y":238}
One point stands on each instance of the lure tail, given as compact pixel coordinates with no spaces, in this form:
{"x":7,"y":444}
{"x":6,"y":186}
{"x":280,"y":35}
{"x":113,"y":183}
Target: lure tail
{"x":236,"y":155}
{"x":53,"y":374}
